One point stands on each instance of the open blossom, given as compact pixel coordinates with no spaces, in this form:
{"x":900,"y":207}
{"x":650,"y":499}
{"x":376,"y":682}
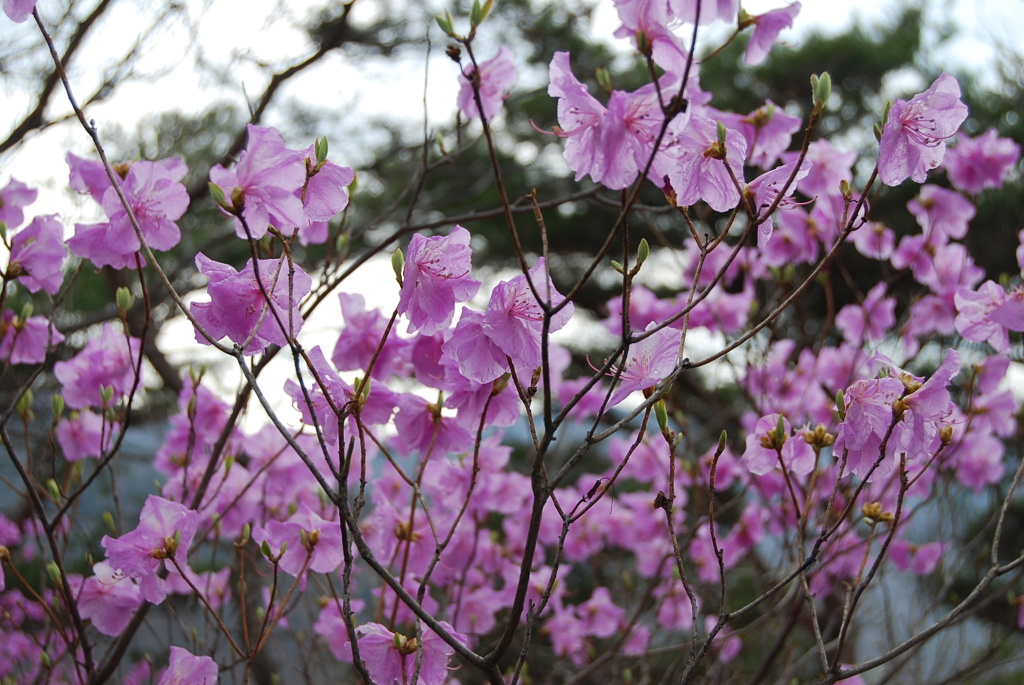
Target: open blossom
{"x":648,"y":362}
{"x":19,"y":10}
{"x":14,"y":196}
{"x":764,"y":451}
{"x":156,"y":196}
{"x":308,"y":536}
{"x":611,"y":144}
{"x":391,"y":658}
{"x":37,"y":255}
{"x":868,"y":417}
{"x":108,"y":599}
{"x":927,"y":405}
{"x":436,"y":278}
{"x":767,"y":27}
{"x":765,"y":190}
{"x":986,"y":314}
{"x":166,"y":530}
{"x":323,"y":197}
{"x":915,"y":133}
{"x":107,"y":361}
{"x":239,"y":309}
{"x":511,"y":327}
{"x":26,"y":341}
{"x":496,"y":77}
{"x":768,"y":131}
{"x":700,"y":170}
{"x":185,"y":668}
{"x":982,"y":162}
{"x":264,"y":185}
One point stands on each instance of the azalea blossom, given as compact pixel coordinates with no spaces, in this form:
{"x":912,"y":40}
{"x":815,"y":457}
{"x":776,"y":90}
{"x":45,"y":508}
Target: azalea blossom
{"x":982,"y":162}
{"x":264,"y":186}
{"x":19,"y":10}
{"x":915,"y":133}
{"x":648,"y":362}
{"x":436,"y":277}
{"x":239,"y":309}
{"x":767,"y":27}
{"x":496,"y":77}
{"x":611,"y":145}
{"x":166,"y":530}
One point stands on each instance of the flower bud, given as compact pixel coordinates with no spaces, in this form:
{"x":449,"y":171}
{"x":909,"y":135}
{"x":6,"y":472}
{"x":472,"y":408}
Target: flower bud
{"x":398,"y":265}
{"x":124,"y":300}
{"x":53,"y":571}
{"x":24,"y":405}
{"x":604,"y":79}
{"x":822,"y":86}
{"x":57,"y":404}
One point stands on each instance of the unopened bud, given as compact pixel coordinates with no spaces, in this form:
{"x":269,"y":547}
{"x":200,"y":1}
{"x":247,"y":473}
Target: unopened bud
{"x":604,"y":79}
{"x":822,"y":86}
{"x":946,"y":433}
{"x":124,"y":300}
{"x":57,"y":404}
{"x":398,"y":265}
{"x":53,"y":570}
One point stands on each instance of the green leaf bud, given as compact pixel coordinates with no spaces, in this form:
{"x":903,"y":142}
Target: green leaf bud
{"x":643,"y":251}
{"x":321,"y":150}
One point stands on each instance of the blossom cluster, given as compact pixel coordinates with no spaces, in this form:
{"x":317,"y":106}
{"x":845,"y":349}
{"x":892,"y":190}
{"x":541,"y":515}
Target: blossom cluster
{"x":391,"y":516}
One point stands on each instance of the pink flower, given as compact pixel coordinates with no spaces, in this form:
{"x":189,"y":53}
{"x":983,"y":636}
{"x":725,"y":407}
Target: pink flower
{"x":154,"y":192}
{"x":511,"y":327}
{"x":926,"y":407}
{"x":187,"y":669}
{"x":85,"y":434}
{"x":648,"y":362}
{"x":983,"y":315}
{"x":942,"y":211}
{"x":611,"y":144}
{"x":766,"y":188}
{"x":265,"y":184}
{"x":768,"y":131}
{"x":26,"y":341}
{"x":700,"y":172}
{"x":915,"y":133}
{"x":436,"y":278}
{"x":870,"y":320}
{"x":107,"y":361}
{"x":829,"y":166}
{"x":308,"y":536}
{"x":762,"y":453}
{"x":108,"y":599}
{"x":166,"y":530}
{"x":323,"y":197}
{"x":239,"y":309}
{"x":19,"y":10}
{"x":37,"y":255}
{"x":496,"y":77}
{"x":391,"y":658}
{"x":14,"y":196}
{"x":983,"y":162}
{"x":766,"y":29}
